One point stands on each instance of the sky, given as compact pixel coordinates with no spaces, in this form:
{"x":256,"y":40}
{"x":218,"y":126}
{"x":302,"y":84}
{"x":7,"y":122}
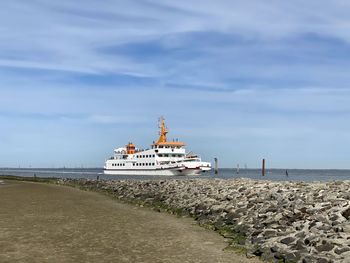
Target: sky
{"x":236,"y":80}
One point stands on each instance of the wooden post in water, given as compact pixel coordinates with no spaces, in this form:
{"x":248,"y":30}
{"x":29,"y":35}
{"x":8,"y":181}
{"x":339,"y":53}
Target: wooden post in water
{"x":263,"y":167}
{"x":216,"y":169}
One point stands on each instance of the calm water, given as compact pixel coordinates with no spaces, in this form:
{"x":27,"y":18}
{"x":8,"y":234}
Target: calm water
{"x":272,"y":174}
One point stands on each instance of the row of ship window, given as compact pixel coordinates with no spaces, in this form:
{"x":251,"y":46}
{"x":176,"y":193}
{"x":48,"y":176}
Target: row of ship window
{"x":171,"y":155}
{"x":159,"y":155}
{"x":142,"y":164}
{"x":118,"y":164}
{"x":146,"y":156}
{"x":134,"y":164}
{"x":160,"y":146}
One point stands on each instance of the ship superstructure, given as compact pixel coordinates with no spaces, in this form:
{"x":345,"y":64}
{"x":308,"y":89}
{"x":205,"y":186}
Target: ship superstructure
{"x":163,"y":158}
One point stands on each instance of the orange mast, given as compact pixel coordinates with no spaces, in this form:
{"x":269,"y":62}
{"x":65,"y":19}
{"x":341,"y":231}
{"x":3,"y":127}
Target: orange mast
{"x":162,"y":136}
{"x":163,"y":131}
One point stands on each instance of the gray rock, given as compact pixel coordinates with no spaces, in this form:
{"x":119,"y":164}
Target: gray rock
{"x":270,"y":233}
{"x":346,"y":213}
{"x":325,"y":247}
{"x":299,"y":245}
{"x":341,"y":250}
{"x":287,"y":240}
{"x":292,"y":257}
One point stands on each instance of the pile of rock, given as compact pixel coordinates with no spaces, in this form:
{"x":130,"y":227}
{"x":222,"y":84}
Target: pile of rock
{"x":278,"y":221}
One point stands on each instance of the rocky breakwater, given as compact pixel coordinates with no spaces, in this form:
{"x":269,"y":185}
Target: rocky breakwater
{"x":278,"y":221}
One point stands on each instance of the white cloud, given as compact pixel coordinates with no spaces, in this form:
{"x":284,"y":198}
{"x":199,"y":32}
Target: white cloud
{"x":68,"y":35}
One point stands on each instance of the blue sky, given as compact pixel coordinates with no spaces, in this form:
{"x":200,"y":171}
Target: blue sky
{"x":237,"y":80}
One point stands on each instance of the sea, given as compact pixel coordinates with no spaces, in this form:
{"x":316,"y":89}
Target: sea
{"x":303,"y":175}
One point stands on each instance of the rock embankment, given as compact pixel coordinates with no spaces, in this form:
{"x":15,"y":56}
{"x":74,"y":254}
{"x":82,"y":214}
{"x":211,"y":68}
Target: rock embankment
{"x":278,"y":221}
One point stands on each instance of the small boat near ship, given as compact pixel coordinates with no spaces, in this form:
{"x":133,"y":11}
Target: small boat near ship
{"x":163,"y":158}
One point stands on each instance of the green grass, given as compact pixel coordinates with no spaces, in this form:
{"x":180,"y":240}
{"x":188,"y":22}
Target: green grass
{"x":29,"y":179}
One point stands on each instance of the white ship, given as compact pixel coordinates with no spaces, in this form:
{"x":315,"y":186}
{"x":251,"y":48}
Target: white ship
{"x":164,"y":158}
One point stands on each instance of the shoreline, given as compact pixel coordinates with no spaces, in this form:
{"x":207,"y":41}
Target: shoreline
{"x":277,"y":221}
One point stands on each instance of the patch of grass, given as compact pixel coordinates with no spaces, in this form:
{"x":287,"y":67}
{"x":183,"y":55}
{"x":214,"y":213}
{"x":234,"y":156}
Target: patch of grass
{"x":237,"y":249}
{"x":226,"y":231}
{"x":29,"y":179}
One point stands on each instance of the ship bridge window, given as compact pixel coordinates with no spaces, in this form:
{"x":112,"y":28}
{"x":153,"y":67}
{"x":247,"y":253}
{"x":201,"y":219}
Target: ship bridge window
{"x":160,"y":155}
{"x":160,"y":146}
{"x":166,"y":155}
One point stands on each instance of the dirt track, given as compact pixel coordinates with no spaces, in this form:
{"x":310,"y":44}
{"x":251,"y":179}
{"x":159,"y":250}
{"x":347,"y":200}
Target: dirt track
{"x":48,"y":223}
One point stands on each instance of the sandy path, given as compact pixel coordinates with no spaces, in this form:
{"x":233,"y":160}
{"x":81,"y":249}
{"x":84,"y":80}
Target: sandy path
{"x":48,"y":223}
